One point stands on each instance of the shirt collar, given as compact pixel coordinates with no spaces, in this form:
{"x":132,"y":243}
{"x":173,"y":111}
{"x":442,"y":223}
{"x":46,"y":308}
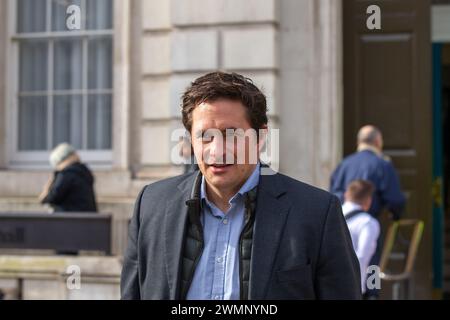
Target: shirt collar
{"x":251,"y":183}
{"x":349,"y":206}
{"x":366,"y":147}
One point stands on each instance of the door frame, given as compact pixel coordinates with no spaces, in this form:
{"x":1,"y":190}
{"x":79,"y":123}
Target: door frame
{"x":437,"y":190}
{"x":440,"y":26}
{"x":413,"y":157}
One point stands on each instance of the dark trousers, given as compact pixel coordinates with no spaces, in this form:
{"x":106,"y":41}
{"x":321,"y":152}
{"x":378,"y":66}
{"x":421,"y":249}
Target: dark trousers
{"x":376,"y":258}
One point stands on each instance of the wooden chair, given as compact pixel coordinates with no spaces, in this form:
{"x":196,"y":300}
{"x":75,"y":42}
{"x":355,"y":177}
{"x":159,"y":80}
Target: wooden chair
{"x":406,"y":275}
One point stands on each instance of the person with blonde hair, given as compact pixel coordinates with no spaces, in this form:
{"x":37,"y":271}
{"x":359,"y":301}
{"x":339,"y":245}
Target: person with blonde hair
{"x":71,"y":188}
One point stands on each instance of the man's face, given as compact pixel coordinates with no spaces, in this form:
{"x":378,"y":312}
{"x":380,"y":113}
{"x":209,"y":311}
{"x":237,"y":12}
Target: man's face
{"x":225,"y":163}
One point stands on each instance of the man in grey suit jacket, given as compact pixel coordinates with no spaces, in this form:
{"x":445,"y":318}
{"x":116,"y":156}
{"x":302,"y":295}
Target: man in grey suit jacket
{"x":232,"y":230}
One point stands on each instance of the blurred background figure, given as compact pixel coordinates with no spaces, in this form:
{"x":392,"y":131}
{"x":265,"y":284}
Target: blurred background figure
{"x":364,"y":229}
{"x":187,"y":153}
{"x":71,"y":188}
{"x":369,"y":163}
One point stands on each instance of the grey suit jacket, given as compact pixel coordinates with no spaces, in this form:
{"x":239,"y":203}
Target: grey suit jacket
{"x":301,"y":244}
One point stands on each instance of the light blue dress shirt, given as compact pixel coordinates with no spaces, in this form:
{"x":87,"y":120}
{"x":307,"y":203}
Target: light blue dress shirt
{"x":217,"y":274}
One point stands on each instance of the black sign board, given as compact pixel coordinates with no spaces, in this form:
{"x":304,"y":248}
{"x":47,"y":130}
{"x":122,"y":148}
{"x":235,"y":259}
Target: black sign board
{"x":56,"y":231}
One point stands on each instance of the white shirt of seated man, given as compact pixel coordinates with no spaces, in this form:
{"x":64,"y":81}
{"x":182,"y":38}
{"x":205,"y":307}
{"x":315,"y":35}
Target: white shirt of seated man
{"x":364,"y":231}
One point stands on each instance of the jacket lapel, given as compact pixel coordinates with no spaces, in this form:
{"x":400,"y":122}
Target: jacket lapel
{"x":271,"y":215}
{"x":175,"y":218}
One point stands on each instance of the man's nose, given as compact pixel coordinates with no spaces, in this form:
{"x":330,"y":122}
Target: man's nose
{"x":217,"y":151}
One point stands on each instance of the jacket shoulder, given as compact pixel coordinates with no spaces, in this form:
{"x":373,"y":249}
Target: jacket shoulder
{"x":166,"y":187}
{"x":306,"y":198}
{"x":301,"y":189}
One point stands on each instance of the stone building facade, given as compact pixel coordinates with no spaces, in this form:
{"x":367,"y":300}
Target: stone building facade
{"x":292,"y":49}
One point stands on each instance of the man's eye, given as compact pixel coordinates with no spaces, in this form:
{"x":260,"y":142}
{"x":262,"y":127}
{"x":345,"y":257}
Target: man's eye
{"x":206,"y":137}
{"x":200,"y":136}
{"x":230,"y":134}
{"x":235,"y":134}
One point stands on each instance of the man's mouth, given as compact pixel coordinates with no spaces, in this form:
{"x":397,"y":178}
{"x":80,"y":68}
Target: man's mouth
{"x":220,"y":168}
{"x":215,"y":165}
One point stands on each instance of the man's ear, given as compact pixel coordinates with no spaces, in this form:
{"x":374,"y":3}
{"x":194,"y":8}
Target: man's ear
{"x":345,"y":195}
{"x":369,"y":203}
{"x":262,"y":138}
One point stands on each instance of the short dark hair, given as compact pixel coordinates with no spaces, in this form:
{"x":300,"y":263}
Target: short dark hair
{"x":221,"y":85}
{"x":360,"y":190}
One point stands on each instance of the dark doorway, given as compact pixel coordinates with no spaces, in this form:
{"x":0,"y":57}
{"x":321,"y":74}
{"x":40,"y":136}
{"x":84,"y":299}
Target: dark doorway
{"x":445,"y":116}
{"x":387,"y":83}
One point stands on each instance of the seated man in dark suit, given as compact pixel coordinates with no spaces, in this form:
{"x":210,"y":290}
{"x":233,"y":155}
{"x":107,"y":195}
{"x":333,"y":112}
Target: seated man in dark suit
{"x":234,"y":229}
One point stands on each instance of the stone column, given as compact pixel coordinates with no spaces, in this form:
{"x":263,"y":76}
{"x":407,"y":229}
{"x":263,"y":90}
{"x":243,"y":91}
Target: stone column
{"x":311,"y":89}
{"x":3,"y":79}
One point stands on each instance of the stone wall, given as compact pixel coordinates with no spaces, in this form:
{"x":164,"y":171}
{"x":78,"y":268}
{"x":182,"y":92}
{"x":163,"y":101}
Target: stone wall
{"x":181,"y":40}
{"x":290,"y":48}
{"x":55,"y":278}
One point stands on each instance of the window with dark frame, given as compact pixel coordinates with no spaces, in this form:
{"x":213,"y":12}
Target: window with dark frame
{"x":65,"y":78}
